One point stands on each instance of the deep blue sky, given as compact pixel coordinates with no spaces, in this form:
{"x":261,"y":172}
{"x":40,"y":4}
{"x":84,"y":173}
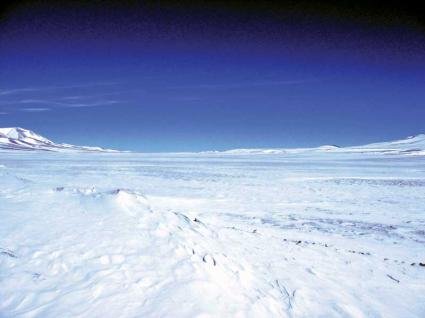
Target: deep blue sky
{"x":201,"y":78}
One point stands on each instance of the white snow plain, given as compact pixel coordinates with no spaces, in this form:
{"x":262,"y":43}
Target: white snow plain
{"x":312,"y":234}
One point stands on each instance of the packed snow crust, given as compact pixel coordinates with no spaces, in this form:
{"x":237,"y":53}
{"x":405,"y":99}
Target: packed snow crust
{"x":313,"y":234}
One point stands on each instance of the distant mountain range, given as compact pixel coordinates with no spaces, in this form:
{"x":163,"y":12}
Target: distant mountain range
{"x":414,"y":145}
{"x":16,"y":138}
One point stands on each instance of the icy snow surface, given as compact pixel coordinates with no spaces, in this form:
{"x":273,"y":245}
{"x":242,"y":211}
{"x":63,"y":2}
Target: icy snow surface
{"x":212,"y":235}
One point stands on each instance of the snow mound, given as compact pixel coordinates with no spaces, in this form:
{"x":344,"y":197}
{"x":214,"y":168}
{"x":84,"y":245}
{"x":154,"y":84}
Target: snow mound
{"x":16,"y":138}
{"x":139,"y":261}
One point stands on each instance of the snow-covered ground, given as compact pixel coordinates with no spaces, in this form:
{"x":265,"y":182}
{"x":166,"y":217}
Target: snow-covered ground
{"x":310,"y":234}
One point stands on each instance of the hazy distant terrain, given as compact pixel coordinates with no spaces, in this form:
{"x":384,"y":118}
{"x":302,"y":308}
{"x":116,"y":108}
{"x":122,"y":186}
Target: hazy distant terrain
{"x":16,"y":138}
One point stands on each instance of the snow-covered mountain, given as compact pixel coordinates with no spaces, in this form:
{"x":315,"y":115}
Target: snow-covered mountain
{"x":266,"y":151}
{"x":16,"y":138}
{"x":413,"y":145}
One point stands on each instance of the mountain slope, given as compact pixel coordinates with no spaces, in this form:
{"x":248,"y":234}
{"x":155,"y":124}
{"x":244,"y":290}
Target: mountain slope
{"x":16,"y":138}
{"x":409,"y":145}
{"x":266,"y":151}
{"x":414,"y":145}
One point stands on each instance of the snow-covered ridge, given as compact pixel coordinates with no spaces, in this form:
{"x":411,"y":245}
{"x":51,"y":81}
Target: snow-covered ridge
{"x":16,"y":138}
{"x":410,"y":144}
{"x":265,"y":151}
{"x":413,"y":145}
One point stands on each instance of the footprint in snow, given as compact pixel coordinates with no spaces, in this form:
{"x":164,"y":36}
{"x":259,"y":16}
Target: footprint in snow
{"x":209,"y":259}
{"x":6,"y":252}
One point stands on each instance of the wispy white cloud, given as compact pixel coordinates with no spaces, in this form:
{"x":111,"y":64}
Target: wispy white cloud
{"x":119,"y":92}
{"x":186,"y":98}
{"x":35,"y":109}
{"x":43,"y":99}
{"x":94,"y":104}
{"x":10,"y":102}
{"x":53,"y":103}
{"x":247,"y":84}
{"x":16,"y":90}
{"x":13,"y":91}
{"x":76,"y":97}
